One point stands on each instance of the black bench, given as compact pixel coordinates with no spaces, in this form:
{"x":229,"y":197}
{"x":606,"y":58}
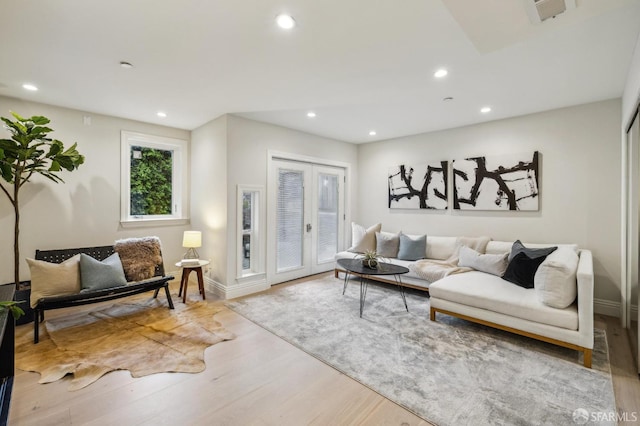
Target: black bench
{"x":158,"y":281}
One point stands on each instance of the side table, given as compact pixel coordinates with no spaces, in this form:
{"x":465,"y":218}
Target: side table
{"x":186,"y":270}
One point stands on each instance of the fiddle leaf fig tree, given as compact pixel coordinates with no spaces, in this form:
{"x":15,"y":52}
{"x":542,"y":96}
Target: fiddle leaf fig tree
{"x":29,"y":152}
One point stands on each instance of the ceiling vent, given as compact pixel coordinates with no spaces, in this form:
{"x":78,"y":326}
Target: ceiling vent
{"x":541,"y":10}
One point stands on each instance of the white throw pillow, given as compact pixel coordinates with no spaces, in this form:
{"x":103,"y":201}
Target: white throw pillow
{"x":387,"y":244}
{"x":363,"y":239}
{"x":555,"y":279}
{"x":54,"y":279}
{"x":494,"y":264}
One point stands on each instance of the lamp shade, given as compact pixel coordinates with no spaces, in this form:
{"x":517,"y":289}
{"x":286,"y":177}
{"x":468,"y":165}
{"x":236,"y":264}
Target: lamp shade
{"x":192,"y":239}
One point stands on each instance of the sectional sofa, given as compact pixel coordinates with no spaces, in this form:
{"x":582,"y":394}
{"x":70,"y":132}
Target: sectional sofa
{"x":558,"y":309}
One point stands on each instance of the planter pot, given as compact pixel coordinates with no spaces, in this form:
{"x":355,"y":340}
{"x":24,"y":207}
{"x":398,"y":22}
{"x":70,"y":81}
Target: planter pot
{"x":23,"y":294}
{"x":371,"y":264}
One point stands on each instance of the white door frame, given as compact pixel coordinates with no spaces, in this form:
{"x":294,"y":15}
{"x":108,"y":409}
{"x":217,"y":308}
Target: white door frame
{"x":272,"y":190}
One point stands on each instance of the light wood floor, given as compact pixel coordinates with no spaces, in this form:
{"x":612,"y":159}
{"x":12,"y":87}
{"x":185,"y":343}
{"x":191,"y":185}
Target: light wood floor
{"x":256,"y":379}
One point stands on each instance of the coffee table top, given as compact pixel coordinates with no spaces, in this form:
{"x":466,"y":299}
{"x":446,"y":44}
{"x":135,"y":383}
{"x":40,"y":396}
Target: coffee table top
{"x":355,"y":266}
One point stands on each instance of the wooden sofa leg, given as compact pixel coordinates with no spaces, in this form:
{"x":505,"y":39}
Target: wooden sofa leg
{"x":336,"y":273}
{"x":587,"y":357}
{"x":432,"y":314}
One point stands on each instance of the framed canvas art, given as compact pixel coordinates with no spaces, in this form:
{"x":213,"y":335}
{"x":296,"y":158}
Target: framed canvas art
{"x":421,"y":186}
{"x":500,"y":182}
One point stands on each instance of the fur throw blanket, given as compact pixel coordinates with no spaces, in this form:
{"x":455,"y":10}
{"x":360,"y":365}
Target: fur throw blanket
{"x":432,"y":270}
{"x":139,"y":257}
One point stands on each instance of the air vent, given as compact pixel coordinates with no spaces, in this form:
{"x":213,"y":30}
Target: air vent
{"x":541,"y":10}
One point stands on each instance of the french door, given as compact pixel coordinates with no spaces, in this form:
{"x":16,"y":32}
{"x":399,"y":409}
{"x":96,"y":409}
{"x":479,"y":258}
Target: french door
{"x":306,"y":209}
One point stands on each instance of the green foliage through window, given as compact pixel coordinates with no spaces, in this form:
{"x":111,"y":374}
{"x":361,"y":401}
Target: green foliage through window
{"x":151,"y":181}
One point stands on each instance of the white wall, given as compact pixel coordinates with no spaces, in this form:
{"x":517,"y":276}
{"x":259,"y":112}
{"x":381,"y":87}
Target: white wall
{"x":631,"y":94}
{"x":579,"y":183}
{"x":209,"y":192}
{"x":249,"y":144}
{"x":84,"y":211}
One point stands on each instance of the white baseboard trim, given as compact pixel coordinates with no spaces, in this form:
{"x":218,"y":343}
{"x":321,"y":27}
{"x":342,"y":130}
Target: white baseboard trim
{"x":236,"y":290}
{"x":606,"y":307}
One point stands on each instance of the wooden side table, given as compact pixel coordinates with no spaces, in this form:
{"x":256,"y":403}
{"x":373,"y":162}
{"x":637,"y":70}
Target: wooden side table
{"x":186,"y":270}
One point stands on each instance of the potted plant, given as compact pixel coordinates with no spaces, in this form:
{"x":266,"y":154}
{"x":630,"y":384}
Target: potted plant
{"x":12,"y":307}
{"x":29,"y":151}
{"x":370,"y":259}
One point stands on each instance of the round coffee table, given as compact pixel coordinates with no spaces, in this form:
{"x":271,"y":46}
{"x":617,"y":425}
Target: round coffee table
{"x":355,"y":267}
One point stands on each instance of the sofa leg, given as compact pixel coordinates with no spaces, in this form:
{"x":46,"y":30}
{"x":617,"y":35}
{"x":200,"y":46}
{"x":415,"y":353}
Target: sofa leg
{"x":432,"y":314}
{"x":587,"y":357}
{"x":336,"y":273}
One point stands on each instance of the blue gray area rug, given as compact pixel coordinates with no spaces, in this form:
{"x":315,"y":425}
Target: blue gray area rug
{"x":449,"y":372}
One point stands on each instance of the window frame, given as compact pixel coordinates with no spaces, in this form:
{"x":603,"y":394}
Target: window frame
{"x":179,"y":178}
{"x":257,"y":263}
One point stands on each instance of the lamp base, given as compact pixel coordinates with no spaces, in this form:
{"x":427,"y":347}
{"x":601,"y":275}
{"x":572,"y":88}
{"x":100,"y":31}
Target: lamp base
{"x":191,"y":254}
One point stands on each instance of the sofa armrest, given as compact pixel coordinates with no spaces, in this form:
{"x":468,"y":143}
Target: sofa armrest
{"x":585,"y":298}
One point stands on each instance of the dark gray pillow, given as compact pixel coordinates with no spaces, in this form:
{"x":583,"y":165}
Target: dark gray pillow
{"x":412,"y":247}
{"x":97,"y":275}
{"x":524,"y":262}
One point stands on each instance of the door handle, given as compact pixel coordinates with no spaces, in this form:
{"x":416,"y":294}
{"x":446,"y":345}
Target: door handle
{"x":308,"y":227}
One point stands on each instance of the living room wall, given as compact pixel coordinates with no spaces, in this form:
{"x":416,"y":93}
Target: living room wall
{"x":579,"y":184}
{"x":84,"y":211}
{"x":240,"y":147}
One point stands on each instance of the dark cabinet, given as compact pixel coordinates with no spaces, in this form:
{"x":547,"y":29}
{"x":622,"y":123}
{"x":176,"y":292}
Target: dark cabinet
{"x":7,"y":354}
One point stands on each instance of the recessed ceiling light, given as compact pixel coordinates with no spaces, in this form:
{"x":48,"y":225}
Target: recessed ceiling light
{"x":285,"y":21}
{"x":162,"y":114}
{"x":28,"y":86}
{"x":447,"y":99}
{"x":125,"y":64}
{"x":372,"y":133}
{"x":311,"y":114}
{"x":485,"y":110}
{"x":440,"y":73}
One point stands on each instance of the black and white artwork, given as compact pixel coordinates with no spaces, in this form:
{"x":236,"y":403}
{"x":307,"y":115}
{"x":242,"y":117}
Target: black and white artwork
{"x":501,"y":182}
{"x":418,"y":186}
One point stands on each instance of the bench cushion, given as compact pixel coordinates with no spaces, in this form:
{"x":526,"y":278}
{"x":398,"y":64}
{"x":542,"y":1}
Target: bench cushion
{"x":54,"y":279}
{"x":97,"y":274}
{"x":485,"y":291}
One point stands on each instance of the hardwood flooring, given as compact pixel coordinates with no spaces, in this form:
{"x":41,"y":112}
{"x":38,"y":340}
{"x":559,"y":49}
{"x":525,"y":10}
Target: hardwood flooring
{"x":256,"y":379}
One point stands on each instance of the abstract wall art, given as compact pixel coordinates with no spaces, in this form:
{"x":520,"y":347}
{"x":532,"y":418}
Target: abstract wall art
{"x":500,"y":182}
{"x":421,"y":186}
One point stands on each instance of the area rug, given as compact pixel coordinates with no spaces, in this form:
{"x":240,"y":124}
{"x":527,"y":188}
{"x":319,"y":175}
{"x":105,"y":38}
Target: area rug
{"x":144,"y":337}
{"x":449,"y":372}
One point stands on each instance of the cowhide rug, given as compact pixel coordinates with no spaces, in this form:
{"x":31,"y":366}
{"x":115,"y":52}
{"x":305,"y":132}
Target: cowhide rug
{"x":143,"y":337}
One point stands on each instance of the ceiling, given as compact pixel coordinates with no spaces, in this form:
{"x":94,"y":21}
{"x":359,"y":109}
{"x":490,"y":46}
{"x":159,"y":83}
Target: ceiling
{"x":360,"y":65}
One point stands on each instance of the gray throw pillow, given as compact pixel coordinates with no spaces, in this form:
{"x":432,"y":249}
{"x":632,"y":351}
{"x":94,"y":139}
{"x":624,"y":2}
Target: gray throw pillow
{"x":495,"y":264}
{"x":97,"y":275}
{"x":387,"y":244}
{"x":412,"y":247}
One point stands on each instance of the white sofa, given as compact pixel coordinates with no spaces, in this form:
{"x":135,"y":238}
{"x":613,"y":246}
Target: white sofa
{"x":490,"y":300}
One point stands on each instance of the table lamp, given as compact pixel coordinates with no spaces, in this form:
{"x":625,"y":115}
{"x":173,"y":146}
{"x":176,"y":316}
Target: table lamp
{"x":191,"y":240}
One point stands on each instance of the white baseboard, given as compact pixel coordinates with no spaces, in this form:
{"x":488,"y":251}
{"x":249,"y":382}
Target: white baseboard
{"x":607,"y":307}
{"x":236,"y":290}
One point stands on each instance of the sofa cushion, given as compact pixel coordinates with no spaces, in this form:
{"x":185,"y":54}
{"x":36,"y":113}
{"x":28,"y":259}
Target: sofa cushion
{"x":499,"y":247}
{"x":492,"y":293}
{"x":97,"y":275}
{"x":363,"y":239}
{"x":441,"y":248}
{"x":494,"y":264}
{"x":387,"y":244}
{"x":555,"y":279}
{"x":524,"y":262}
{"x":54,"y":279}
{"x":412,"y":247}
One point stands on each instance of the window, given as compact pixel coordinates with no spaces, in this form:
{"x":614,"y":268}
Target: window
{"x":153,"y":179}
{"x":249,"y":230}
